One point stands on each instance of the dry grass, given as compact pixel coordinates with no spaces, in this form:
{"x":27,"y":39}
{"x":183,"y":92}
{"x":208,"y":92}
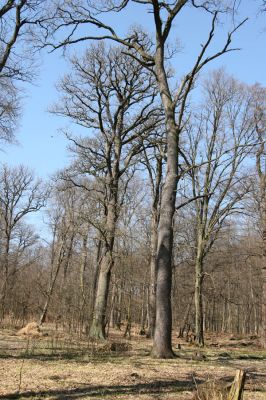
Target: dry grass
{"x":31,"y":329}
{"x":211,"y":390}
{"x":61,"y":366}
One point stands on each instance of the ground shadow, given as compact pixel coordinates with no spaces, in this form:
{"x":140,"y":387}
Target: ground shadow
{"x":81,"y":357}
{"x":115,"y":390}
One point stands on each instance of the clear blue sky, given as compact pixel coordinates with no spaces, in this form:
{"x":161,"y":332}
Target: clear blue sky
{"x":43,"y":148}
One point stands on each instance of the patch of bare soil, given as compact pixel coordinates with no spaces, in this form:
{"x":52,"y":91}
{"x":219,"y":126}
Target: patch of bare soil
{"x":62,"y":366}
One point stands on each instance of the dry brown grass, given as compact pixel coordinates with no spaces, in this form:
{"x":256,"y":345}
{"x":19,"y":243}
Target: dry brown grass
{"x":31,"y":329}
{"x":62,"y":366}
{"x":212,"y":390}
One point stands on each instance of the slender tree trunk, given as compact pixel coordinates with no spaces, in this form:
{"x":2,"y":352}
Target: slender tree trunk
{"x":156,"y":183}
{"x":224,"y":316}
{"x":97,"y":329}
{"x":49,"y":294}
{"x":128,"y":323}
{"x":53,"y":278}
{"x":112,"y":310}
{"x":83,"y":265}
{"x":5,"y":285}
{"x":152,"y":287}
{"x":143,"y":316}
{"x":185,"y":319}
{"x":198,"y":302}
{"x":118,"y":319}
{"x":96,"y":271}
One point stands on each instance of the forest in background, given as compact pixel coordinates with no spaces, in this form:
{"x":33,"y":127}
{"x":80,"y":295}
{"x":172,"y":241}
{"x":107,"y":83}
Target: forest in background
{"x":159,"y":221}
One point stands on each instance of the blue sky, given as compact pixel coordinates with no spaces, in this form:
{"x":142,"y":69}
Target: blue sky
{"x":43,"y":148}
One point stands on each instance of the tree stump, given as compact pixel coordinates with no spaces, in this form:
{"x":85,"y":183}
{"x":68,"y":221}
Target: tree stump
{"x":237,"y":388}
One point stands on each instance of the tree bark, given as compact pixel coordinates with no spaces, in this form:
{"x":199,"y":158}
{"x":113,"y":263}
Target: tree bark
{"x":83,"y":265}
{"x":5,"y":285}
{"x":152,"y":287}
{"x":111,"y":320}
{"x":162,"y":345}
{"x":185,"y":319}
{"x":58,"y":252}
{"x":97,"y":329}
{"x":52,"y":285}
{"x":260,"y":165}
{"x":198,"y":303}
{"x":143,"y":316}
{"x":237,"y":389}
{"x":263,"y":272}
{"x":156,"y":184}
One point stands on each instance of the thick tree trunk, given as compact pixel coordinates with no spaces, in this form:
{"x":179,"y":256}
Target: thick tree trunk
{"x":198,"y":303}
{"x":162,"y":345}
{"x":263,"y":271}
{"x":262,"y":177}
{"x":260,"y":164}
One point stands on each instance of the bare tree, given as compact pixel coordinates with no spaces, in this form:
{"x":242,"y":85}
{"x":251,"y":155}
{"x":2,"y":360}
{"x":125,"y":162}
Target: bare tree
{"x":17,"y":22}
{"x":17,"y":19}
{"x":154,"y":161}
{"x":66,"y":223}
{"x":152,"y":53}
{"x":20,"y":195}
{"x":260,"y":126}
{"x":9,"y":110}
{"x":220,"y":139}
{"x":114,"y":97}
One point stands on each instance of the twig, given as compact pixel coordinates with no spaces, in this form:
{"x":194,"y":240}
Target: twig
{"x":20,"y":375}
{"x":196,"y":385}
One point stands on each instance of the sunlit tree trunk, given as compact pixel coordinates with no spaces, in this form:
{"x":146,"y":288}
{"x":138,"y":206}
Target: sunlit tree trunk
{"x":152,"y":287}
{"x":263,"y":270}
{"x":97,"y":329}
{"x":162,"y":345}
{"x":259,"y":116}
{"x":198,"y":302}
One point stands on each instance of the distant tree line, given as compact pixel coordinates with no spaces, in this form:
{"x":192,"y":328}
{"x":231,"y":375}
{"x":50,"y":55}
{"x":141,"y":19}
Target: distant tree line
{"x":167,"y":179}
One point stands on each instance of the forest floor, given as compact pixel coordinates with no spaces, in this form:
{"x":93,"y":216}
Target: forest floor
{"x":61,"y":366}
